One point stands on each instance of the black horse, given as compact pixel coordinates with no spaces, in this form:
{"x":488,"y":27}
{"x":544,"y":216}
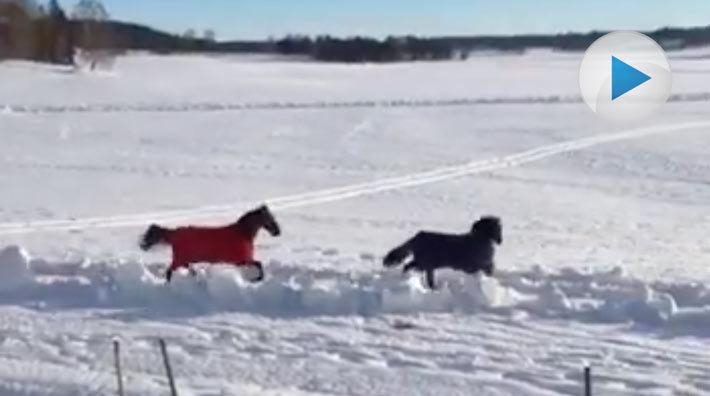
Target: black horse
{"x":470,"y":252}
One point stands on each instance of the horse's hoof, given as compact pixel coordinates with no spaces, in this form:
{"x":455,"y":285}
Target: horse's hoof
{"x":258,"y":278}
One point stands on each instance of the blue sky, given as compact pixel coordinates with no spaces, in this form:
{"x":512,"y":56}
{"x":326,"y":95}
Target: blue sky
{"x":256,"y":19}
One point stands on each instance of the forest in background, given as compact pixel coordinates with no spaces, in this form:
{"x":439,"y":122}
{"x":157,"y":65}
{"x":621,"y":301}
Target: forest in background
{"x":49,"y":34}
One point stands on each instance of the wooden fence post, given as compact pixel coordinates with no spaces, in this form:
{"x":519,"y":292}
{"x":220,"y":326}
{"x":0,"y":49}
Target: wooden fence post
{"x":117,"y":364}
{"x":168,"y":368}
{"x":587,"y":381}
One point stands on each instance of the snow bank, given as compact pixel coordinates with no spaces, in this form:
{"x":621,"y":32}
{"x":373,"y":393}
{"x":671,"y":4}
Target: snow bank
{"x":570,"y":294}
{"x":14,"y":268}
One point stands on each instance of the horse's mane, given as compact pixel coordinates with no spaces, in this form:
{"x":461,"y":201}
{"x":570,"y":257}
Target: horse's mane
{"x":247,"y":222}
{"x":251,"y":221}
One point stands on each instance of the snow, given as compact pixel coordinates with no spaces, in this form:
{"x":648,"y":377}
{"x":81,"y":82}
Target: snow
{"x":14,"y":262}
{"x":591,"y":297}
{"x":604,"y":261}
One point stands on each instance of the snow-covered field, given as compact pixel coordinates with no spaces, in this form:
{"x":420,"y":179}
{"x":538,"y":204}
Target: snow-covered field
{"x":605,"y":259}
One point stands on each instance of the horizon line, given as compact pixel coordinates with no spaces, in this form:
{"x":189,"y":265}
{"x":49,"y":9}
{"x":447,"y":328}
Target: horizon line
{"x":431,"y":36}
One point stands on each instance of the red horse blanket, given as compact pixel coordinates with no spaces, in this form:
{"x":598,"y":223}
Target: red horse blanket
{"x":211,"y":245}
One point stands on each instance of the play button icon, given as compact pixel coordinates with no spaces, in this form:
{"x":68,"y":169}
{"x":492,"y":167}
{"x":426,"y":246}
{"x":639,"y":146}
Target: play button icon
{"x":625,"y":76}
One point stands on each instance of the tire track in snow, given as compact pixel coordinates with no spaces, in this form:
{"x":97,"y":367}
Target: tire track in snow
{"x":203,"y":107}
{"x":347,"y":192}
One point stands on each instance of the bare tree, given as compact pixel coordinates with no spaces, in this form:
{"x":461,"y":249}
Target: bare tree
{"x":94,"y":45}
{"x":90,"y":10}
{"x":190,"y":34}
{"x":30,"y":7}
{"x":209,"y":36}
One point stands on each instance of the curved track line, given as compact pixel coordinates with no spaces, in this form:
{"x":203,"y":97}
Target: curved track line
{"x":346,"y":192}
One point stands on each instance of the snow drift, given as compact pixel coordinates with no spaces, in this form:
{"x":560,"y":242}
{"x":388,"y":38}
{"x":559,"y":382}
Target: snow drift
{"x":14,"y":262}
{"x":288,"y":291}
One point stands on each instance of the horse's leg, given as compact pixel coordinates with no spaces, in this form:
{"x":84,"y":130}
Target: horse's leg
{"x":192,"y":270}
{"x":169,"y":272}
{"x":412,"y":265}
{"x":260,"y":267}
{"x":430,"y":278}
{"x":257,"y":265}
{"x":174,"y":265}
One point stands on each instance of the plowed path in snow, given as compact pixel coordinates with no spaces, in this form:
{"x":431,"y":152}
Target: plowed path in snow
{"x":194,"y":107}
{"x":350,"y":191}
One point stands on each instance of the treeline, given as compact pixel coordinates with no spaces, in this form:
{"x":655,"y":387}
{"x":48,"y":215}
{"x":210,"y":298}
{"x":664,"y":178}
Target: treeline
{"x":47,"y":34}
{"x":124,"y":36}
{"x":393,"y":49}
{"x":50,"y":36}
{"x":47,"y":37}
{"x":669,"y":38}
{"x":412,"y":48}
{"x":363,"y":49}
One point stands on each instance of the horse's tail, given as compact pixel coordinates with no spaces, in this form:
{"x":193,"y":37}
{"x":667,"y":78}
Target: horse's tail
{"x":154,"y":235}
{"x":397,"y":255}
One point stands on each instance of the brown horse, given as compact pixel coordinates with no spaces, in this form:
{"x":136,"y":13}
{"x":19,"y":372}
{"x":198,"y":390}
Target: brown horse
{"x":233,"y":243}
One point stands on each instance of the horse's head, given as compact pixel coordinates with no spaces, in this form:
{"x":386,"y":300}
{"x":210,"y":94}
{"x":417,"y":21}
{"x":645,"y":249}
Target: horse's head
{"x":489,"y":226}
{"x":267,"y":220}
